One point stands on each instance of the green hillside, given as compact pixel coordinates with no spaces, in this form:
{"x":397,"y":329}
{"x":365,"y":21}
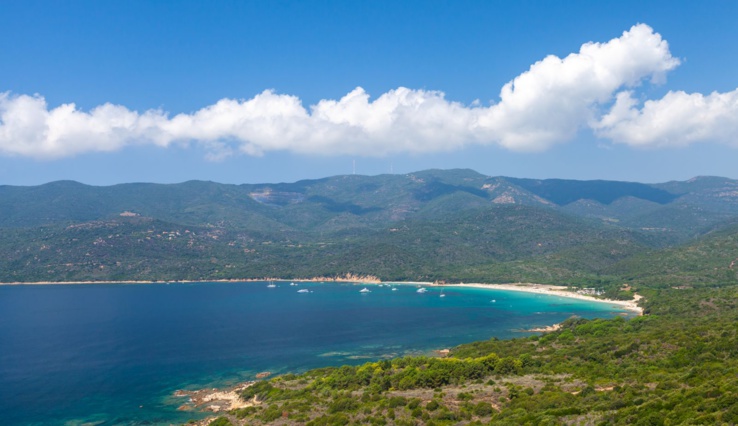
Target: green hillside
{"x":453,"y":225}
{"x":710,"y":261}
{"x":454,"y":246}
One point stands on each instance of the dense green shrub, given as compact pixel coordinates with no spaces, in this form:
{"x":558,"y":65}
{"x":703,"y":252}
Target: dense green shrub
{"x":483,"y":409}
{"x":343,"y":404}
{"x":432,"y":405}
{"x":221,"y":421}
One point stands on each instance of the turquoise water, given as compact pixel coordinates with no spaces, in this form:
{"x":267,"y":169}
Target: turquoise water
{"x":112,"y":354}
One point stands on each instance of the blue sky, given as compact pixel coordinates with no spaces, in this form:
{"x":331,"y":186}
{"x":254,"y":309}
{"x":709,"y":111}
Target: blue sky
{"x":280,"y":91}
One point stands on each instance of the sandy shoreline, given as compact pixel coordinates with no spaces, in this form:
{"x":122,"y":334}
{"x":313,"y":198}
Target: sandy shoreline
{"x":545,"y":289}
{"x":346,"y":278}
{"x":561,"y":291}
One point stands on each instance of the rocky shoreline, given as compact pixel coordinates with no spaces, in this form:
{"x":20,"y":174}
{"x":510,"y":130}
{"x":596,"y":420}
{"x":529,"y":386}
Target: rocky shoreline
{"x":215,"y":400}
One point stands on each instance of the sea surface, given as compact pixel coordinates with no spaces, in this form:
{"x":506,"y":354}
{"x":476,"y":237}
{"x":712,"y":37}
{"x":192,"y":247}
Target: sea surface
{"x":113,"y":354}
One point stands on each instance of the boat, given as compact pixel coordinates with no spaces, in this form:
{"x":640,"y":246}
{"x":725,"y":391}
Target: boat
{"x":272,"y":285}
{"x":394,"y":288}
{"x":422,"y":290}
{"x":365,"y":290}
{"x":442,"y":295}
{"x":303,"y":290}
{"x":293,"y":284}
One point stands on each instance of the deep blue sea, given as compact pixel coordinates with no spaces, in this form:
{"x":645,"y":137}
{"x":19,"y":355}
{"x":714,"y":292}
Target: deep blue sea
{"x":113,"y":354}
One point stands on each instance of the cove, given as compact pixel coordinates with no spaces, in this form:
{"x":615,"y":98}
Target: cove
{"x":112,"y":354}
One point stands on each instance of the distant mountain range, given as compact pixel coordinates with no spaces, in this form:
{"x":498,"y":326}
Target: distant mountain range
{"x":429,"y":225}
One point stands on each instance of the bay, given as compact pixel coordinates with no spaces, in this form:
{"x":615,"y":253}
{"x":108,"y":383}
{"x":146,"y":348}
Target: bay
{"x":113,"y":354}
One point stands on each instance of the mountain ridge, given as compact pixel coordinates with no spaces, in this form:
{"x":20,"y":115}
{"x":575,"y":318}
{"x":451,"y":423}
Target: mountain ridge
{"x":432,"y":224}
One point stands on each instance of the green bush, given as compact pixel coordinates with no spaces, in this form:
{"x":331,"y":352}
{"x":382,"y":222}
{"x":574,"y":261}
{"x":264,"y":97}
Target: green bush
{"x":463,"y":396}
{"x":272,"y":413}
{"x":483,"y":409}
{"x":397,"y":401}
{"x":413,"y":403}
{"x":244,"y":412}
{"x":259,"y":389}
{"x":330,"y":420}
{"x":221,"y":421}
{"x":343,"y":404}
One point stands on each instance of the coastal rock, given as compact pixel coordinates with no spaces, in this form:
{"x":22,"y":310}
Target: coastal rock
{"x":214,"y":399}
{"x":546,"y":329}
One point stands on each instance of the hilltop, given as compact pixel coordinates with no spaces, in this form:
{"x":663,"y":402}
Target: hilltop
{"x":453,"y":225}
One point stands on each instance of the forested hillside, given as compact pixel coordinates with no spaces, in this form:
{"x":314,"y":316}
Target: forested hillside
{"x":454,"y":225}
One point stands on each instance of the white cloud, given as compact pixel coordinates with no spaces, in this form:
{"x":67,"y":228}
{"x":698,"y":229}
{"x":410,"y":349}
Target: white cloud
{"x":678,"y":119}
{"x":29,"y":128}
{"x":547,"y":104}
{"x":555,"y":97}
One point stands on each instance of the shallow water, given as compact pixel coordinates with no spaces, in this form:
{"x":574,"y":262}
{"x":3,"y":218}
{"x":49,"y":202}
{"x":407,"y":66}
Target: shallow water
{"x":112,"y":354}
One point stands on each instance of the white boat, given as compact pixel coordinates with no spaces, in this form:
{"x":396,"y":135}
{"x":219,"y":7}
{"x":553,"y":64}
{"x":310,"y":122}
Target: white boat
{"x":272,"y":285}
{"x":304,"y":290}
{"x":422,"y":290}
{"x":442,"y":295}
{"x":365,"y":290}
{"x":394,"y":288}
{"x":293,"y":284}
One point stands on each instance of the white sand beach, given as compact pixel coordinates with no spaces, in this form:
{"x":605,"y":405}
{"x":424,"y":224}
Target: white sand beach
{"x":561,"y":291}
{"x":546,"y":289}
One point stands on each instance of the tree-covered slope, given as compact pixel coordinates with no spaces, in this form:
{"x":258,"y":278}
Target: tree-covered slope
{"x":455,"y":225}
{"x":711,"y":260}
{"x":351,"y":201}
{"x":454,"y":246}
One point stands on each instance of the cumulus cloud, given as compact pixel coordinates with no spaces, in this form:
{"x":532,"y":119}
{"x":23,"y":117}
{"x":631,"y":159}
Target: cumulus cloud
{"x":677,"y":119}
{"x":547,"y":104}
{"x":556,"y":97}
{"x":29,"y":128}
